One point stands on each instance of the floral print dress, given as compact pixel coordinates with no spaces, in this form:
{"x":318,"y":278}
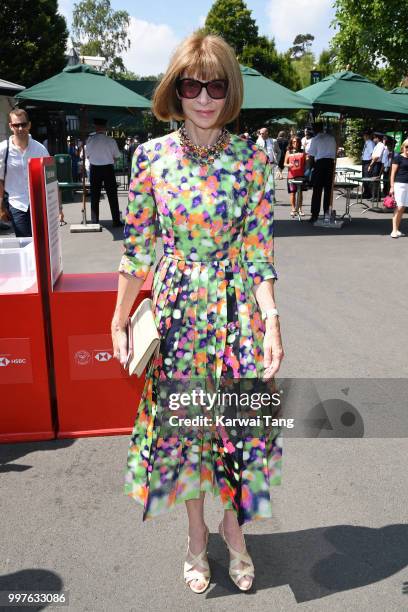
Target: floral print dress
{"x":216,"y":223}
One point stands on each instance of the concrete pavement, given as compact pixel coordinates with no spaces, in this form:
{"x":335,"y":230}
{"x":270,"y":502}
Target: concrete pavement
{"x":339,"y":537}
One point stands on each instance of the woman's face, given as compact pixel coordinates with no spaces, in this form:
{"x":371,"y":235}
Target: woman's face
{"x":204,"y":111}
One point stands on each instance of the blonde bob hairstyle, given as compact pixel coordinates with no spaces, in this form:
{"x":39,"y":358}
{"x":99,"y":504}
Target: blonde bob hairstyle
{"x":403,"y":144}
{"x":205,"y":57}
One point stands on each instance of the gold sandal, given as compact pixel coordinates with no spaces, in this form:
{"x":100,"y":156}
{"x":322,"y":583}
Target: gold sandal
{"x":191,"y":574}
{"x":236,"y":574}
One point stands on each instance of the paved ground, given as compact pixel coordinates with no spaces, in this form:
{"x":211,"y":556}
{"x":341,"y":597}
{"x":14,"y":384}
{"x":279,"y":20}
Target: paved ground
{"x":339,"y":537}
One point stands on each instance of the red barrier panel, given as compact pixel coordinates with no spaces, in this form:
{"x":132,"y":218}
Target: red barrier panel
{"x":26,"y":391}
{"x":95,"y":396}
{"x":25,"y":412}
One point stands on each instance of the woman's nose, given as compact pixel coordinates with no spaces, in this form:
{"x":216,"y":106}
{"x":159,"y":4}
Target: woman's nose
{"x":204,"y":98}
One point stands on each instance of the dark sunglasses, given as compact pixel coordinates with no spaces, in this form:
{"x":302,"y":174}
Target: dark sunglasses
{"x":24,"y":124}
{"x":191,"y":88}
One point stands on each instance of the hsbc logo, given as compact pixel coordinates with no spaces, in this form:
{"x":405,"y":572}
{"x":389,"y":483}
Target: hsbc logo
{"x":103,"y":356}
{"x":5,"y":361}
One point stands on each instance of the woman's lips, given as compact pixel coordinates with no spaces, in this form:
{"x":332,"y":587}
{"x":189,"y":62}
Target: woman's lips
{"x":205,"y":113}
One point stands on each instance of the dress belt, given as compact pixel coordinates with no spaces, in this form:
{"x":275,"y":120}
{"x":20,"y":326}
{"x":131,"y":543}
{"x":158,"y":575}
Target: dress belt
{"x":227,"y":260}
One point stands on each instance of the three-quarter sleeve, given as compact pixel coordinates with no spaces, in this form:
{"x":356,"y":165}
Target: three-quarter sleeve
{"x":257,"y":242}
{"x":139,"y":231}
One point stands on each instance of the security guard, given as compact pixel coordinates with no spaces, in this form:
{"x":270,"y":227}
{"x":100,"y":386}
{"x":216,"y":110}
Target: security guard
{"x":102,"y":150}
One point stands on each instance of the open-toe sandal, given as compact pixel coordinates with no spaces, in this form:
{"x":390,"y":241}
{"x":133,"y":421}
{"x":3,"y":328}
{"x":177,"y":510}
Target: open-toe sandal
{"x":237,"y":558}
{"x":193,"y":561}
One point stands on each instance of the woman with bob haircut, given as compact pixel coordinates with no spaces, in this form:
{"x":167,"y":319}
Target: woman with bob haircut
{"x":213,"y":299}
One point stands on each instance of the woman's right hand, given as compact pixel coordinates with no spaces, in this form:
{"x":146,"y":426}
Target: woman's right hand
{"x":119,"y":342}
{"x":391,"y":192}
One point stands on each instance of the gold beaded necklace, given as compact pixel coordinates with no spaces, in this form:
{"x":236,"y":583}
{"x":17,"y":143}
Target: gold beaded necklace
{"x":203,"y":154}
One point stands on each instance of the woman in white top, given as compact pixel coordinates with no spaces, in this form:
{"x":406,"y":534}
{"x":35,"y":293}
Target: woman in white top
{"x":399,"y":187}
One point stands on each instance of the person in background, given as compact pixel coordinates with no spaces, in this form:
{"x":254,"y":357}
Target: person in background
{"x":307,"y":139}
{"x":322,"y":156}
{"x":102,"y":151}
{"x":14,"y":155}
{"x":270,"y":145}
{"x":366,"y":154}
{"x":132,"y":146}
{"x":74,"y":154}
{"x":295,"y":161}
{"x":375,"y":166}
{"x":283,"y":145}
{"x":399,"y":187}
{"x":387,"y":158}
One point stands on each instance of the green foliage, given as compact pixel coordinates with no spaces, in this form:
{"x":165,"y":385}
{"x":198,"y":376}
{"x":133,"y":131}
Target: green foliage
{"x":264,"y":57}
{"x":232,"y":19}
{"x":326,"y":63}
{"x":371,"y":38}
{"x":301,"y":45}
{"x":100,"y":30}
{"x":303,"y":66}
{"x":353,"y":143}
{"x":32,"y":42}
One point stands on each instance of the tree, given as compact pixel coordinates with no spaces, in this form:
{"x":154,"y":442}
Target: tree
{"x":326,"y":62}
{"x":303,"y":66}
{"x":371,"y":37}
{"x":301,"y":45}
{"x":263,"y":56}
{"x":32,"y":42}
{"x":101,"y":31}
{"x":232,"y":19}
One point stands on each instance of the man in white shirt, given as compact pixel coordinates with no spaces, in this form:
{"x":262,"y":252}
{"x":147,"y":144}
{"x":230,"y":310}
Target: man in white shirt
{"x":375,"y":166}
{"x":322,"y":155}
{"x":365,"y":161}
{"x":270,"y":145}
{"x":14,"y":155}
{"x":102,"y":151}
{"x":387,"y":157}
{"x":306,"y":140}
{"x":272,"y":149}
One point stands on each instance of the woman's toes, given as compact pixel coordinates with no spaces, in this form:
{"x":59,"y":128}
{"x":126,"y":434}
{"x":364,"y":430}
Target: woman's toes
{"x":245,"y":583}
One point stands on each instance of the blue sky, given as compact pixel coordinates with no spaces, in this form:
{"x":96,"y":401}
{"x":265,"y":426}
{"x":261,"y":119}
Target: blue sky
{"x":158,"y":26}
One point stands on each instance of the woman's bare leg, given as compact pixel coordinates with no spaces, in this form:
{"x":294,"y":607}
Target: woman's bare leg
{"x":293,"y":202}
{"x":235,"y":537}
{"x":197,"y":530}
{"x":396,"y":220}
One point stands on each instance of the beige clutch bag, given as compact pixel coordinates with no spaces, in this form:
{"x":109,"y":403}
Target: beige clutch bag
{"x":143,"y":338}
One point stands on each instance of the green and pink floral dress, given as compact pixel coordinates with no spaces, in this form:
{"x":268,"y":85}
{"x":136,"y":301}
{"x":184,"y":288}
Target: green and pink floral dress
{"x":216,"y":223}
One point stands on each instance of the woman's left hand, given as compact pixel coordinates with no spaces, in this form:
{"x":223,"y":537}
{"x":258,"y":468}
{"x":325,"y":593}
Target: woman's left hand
{"x":272,"y":346}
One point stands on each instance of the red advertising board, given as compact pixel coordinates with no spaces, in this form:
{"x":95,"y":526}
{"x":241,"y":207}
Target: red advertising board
{"x":27,"y":402}
{"x":58,"y":377}
{"x":95,"y":396}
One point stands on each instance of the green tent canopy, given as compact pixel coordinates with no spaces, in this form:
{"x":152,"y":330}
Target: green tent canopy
{"x":263,"y":93}
{"x":353,"y":95}
{"x":259,"y":92}
{"x":80,"y":86}
{"x":400,"y":90}
{"x":280,"y":121}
